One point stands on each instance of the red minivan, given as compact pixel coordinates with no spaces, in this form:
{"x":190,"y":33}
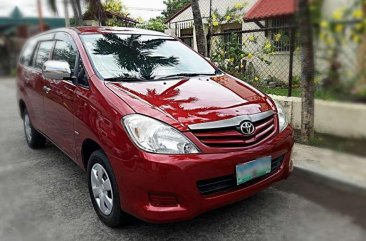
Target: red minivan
{"x":163,"y":134}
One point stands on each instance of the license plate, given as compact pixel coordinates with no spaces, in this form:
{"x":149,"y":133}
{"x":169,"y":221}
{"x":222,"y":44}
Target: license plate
{"x":250,"y":170}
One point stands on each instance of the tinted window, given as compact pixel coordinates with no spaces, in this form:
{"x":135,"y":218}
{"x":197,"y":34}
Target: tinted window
{"x":142,"y":56}
{"x":26,"y":57}
{"x":43,"y":53}
{"x":64,"y":52}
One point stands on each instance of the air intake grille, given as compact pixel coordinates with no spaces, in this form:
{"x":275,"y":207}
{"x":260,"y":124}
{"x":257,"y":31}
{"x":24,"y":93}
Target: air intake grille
{"x":225,"y":183}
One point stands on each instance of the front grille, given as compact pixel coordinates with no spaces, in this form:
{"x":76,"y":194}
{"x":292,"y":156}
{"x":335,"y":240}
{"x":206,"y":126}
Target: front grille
{"x":220,"y":184}
{"x":232,"y":137}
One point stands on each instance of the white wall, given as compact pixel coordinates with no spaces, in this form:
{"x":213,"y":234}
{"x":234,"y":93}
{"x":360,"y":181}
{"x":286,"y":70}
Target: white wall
{"x":334,"y":118}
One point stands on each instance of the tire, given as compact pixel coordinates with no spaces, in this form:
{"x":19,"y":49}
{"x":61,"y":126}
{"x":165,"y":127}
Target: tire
{"x":103,"y":194}
{"x":35,"y":140}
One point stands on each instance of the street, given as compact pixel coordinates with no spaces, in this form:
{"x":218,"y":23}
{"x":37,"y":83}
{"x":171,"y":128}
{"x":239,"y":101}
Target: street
{"x":44,"y":196}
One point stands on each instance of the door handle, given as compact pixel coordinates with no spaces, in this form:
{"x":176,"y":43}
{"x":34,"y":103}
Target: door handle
{"x":46,"y":89}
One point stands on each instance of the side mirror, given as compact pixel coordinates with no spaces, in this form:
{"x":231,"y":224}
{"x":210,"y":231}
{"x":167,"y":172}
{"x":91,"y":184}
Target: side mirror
{"x":58,"y":70}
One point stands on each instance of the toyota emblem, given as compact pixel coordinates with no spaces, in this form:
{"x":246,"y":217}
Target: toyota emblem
{"x":247,"y":128}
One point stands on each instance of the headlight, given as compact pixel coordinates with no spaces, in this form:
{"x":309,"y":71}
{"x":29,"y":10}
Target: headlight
{"x":154,"y":136}
{"x":282,"y":119}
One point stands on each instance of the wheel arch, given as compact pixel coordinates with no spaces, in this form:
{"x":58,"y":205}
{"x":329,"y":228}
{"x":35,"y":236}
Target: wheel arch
{"x":22,"y":107}
{"x":87,"y":148}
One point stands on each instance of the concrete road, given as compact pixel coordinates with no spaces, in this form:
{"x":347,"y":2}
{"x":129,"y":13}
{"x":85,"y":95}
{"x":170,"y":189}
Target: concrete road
{"x":43,"y":196}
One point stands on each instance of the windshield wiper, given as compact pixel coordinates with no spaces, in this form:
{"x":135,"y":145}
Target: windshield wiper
{"x":183,"y":75}
{"x":123,"y":79}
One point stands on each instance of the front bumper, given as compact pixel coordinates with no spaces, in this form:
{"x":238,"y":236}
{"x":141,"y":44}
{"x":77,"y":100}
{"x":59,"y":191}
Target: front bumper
{"x":178,"y":175}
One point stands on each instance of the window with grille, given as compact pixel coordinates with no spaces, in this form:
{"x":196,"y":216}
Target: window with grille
{"x":186,"y":35}
{"x":281,"y":38}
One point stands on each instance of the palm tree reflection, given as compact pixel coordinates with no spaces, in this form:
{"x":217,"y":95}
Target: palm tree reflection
{"x":134,"y":54}
{"x":171,"y":101}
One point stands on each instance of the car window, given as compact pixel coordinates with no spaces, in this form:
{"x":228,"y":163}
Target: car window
{"x":142,"y":56}
{"x":26,"y":56}
{"x":64,"y":52}
{"x":43,"y":53}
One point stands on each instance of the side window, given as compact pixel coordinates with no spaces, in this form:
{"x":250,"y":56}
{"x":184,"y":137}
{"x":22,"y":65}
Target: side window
{"x":64,"y":52}
{"x":43,"y":53}
{"x":27,"y":53}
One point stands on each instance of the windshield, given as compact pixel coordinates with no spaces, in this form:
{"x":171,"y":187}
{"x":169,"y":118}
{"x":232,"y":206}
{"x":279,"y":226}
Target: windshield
{"x":142,"y":57}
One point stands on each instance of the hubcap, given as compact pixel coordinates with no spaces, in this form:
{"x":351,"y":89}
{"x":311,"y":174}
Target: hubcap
{"x":102,"y":188}
{"x":27,"y":128}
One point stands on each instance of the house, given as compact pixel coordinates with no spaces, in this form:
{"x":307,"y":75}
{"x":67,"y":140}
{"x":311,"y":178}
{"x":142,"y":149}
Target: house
{"x":263,"y":20}
{"x":255,"y":15}
{"x":14,"y":31}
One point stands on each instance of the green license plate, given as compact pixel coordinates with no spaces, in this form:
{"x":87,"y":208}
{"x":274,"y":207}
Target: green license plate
{"x":250,"y":170}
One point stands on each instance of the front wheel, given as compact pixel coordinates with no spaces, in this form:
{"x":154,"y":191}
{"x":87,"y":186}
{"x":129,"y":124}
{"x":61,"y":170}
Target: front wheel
{"x":34,"y":139}
{"x":103,"y":191}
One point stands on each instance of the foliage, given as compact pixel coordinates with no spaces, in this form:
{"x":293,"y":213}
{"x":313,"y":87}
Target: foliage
{"x":237,"y":54}
{"x":114,"y":6}
{"x":173,"y":6}
{"x":232,"y":15}
{"x":345,"y":27}
{"x":156,"y":24}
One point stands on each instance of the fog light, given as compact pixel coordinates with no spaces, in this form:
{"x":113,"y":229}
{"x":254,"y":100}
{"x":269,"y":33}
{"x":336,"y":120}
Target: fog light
{"x":163,"y":200}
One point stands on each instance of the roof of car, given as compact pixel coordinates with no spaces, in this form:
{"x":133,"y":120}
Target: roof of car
{"x":106,"y":29}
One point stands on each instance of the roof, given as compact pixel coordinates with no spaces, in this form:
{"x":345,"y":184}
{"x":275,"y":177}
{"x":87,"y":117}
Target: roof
{"x":89,"y":15}
{"x":266,"y":9}
{"x":120,"y":17}
{"x":106,"y":29}
{"x":17,"y":18}
{"x":178,"y":12}
{"x":16,"y":13}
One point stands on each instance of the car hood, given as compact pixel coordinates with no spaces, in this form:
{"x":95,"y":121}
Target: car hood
{"x":182,"y":102}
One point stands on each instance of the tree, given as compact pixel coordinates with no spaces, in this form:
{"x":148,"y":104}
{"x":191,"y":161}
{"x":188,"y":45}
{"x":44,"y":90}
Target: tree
{"x":156,"y":24}
{"x":361,"y":86}
{"x":200,"y":35}
{"x":94,"y":5}
{"x":173,"y":6}
{"x":307,"y":71}
{"x":115,"y":7}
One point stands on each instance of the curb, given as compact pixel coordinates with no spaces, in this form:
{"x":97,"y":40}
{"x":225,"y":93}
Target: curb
{"x":334,"y":183}
{"x":342,"y":169}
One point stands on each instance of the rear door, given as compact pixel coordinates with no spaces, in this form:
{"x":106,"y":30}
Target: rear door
{"x":59,"y":102}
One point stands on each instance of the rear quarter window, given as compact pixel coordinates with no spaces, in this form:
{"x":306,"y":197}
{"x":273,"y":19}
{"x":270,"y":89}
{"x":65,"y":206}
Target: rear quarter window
{"x":27,"y":53}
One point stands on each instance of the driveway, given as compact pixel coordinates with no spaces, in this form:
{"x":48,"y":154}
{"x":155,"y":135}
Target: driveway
{"x":43,"y":196}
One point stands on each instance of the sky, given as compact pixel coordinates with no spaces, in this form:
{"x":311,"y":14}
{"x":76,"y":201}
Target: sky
{"x":137,"y":8}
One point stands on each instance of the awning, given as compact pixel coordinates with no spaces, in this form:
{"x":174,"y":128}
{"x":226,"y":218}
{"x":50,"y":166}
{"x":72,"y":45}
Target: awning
{"x":268,"y":9}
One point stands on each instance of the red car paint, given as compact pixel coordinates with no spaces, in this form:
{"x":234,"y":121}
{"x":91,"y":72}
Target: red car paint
{"x":72,"y":115}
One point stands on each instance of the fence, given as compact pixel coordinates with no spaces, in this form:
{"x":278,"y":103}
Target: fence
{"x":263,"y":56}
{"x":266,"y":52}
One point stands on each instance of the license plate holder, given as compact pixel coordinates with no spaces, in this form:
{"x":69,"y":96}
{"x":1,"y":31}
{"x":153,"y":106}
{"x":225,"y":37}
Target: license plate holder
{"x":253,"y":169}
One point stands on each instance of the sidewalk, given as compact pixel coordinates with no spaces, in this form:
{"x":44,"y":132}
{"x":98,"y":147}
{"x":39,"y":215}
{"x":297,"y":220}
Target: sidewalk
{"x":344,"y":168}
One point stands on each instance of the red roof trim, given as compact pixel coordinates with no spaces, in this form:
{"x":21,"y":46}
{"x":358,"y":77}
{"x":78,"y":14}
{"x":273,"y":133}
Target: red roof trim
{"x":267,"y":9}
